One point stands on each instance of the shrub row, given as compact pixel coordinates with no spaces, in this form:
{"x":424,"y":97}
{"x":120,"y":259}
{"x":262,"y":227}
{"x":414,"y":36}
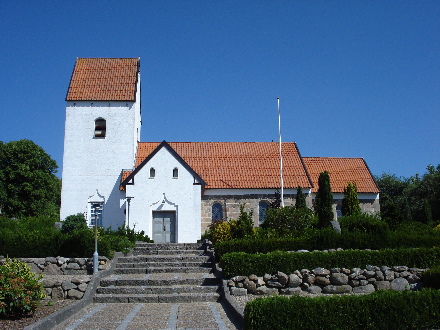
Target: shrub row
{"x":431,"y":278}
{"x":379,"y":310}
{"x":330,"y":239}
{"x":38,"y":237}
{"x":240,"y":263}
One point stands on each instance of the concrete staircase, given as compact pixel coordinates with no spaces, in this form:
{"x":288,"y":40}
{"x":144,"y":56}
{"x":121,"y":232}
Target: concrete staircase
{"x":168,"y":273}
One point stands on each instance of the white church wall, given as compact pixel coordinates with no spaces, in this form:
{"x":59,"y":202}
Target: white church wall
{"x":94,"y":163}
{"x":165,"y":193}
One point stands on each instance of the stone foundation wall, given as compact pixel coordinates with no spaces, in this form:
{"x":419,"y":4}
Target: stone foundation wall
{"x":329,"y":281}
{"x":231,"y":205}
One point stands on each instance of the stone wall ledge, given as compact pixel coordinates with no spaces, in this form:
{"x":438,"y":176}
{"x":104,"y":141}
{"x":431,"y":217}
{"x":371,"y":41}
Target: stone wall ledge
{"x":64,"y":278}
{"x":329,"y":281}
{"x":62,"y":265}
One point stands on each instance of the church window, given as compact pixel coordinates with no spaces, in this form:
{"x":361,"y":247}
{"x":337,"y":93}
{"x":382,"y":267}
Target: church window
{"x":339,"y":210}
{"x":262,"y":209}
{"x":175,"y":173}
{"x":96,"y":214}
{"x":217,"y":212}
{"x":100,"y":128}
{"x":152,"y":172}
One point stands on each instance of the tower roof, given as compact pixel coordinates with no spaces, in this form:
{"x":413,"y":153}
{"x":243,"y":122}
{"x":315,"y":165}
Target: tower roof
{"x":104,"y":79}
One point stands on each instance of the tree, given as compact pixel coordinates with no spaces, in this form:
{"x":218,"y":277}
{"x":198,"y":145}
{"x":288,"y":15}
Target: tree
{"x":28,"y":185}
{"x":324,"y":200}
{"x":350,"y":202}
{"x":392,"y":197}
{"x":243,"y":226}
{"x":416,"y":198}
{"x":74,"y":222}
{"x":300,"y":200}
{"x":276,"y":203}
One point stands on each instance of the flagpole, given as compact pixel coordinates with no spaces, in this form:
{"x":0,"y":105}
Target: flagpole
{"x":281,"y":155}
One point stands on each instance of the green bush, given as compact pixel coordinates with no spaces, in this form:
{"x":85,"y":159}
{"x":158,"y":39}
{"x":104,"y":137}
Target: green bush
{"x":20,"y":289}
{"x":240,"y":263}
{"x":379,"y":310}
{"x":323,"y":239}
{"x":431,"y":278}
{"x":220,"y":231}
{"x":243,"y":226}
{"x":365,"y":223}
{"x":37,"y":237}
{"x":74,"y":222}
{"x":288,"y":220}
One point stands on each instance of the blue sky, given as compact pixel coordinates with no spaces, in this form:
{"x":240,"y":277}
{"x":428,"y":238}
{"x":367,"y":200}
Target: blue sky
{"x":355,"y":78}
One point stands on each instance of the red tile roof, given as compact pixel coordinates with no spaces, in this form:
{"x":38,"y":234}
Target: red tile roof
{"x":342,"y":171}
{"x":238,"y":164}
{"x":104,"y":79}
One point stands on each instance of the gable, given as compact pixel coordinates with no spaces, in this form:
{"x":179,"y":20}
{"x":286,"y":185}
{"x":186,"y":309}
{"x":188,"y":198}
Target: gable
{"x":128,"y":176}
{"x":342,"y":171}
{"x":234,"y":165}
{"x":104,"y":79}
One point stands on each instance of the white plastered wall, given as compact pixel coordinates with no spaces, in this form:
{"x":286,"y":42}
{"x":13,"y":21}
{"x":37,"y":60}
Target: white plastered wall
{"x":165,"y":193}
{"x":94,"y":164}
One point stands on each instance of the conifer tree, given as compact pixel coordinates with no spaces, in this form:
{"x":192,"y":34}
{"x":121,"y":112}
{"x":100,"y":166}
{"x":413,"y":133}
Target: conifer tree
{"x":300,"y":201}
{"x":350,"y":202}
{"x":276,"y":203}
{"x":324,"y":200}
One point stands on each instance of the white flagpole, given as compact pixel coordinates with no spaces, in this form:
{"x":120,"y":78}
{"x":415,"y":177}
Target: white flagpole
{"x":281,"y":155}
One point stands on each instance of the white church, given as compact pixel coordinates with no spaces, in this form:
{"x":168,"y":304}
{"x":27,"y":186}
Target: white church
{"x":173,"y":190}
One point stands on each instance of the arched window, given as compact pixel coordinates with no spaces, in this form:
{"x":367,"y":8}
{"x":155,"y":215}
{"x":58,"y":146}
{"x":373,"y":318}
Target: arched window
{"x":175,"y":173}
{"x":152,"y":172}
{"x":100,"y":128}
{"x":96,"y":214}
{"x":339,"y":210}
{"x":217,"y":212}
{"x":262,"y":209}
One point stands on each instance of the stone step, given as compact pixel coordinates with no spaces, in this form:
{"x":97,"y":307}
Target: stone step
{"x":164,"y":264}
{"x":153,"y":298}
{"x":169,"y":246}
{"x":159,"y":280}
{"x":146,"y":251}
{"x":151,"y":270}
{"x":156,"y":289}
{"x":165,"y":258}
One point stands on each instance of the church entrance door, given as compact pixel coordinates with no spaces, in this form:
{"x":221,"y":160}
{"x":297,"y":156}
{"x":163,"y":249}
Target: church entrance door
{"x":164,"y":227}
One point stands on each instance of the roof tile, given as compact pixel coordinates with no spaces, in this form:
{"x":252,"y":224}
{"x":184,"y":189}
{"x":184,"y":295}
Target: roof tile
{"x":342,"y":171}
{"x":238,"y":164}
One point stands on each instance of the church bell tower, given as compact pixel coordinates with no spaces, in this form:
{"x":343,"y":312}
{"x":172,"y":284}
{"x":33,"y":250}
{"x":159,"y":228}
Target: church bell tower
{"x":102,"y":130}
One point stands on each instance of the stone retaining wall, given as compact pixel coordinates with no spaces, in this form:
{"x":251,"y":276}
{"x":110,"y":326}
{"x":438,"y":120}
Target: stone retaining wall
{"x":64,"y":278}
{"x":329,"y":281}
{"x":59,"y":287}
{"x":63,"y":266}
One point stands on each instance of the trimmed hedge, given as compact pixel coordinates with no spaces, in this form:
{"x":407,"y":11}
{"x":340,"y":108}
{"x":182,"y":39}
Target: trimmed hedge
{"x":35,"y":237}
{"x":330,"y":239}
{"x":431,"y":278}
{"x":240,"y":263}
{"x":378,"y":310}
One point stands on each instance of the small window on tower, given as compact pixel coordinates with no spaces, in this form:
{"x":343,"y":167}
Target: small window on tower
{"x":175,"y":173}
{"x":100,"y":128}
{"x":152,"y":172}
